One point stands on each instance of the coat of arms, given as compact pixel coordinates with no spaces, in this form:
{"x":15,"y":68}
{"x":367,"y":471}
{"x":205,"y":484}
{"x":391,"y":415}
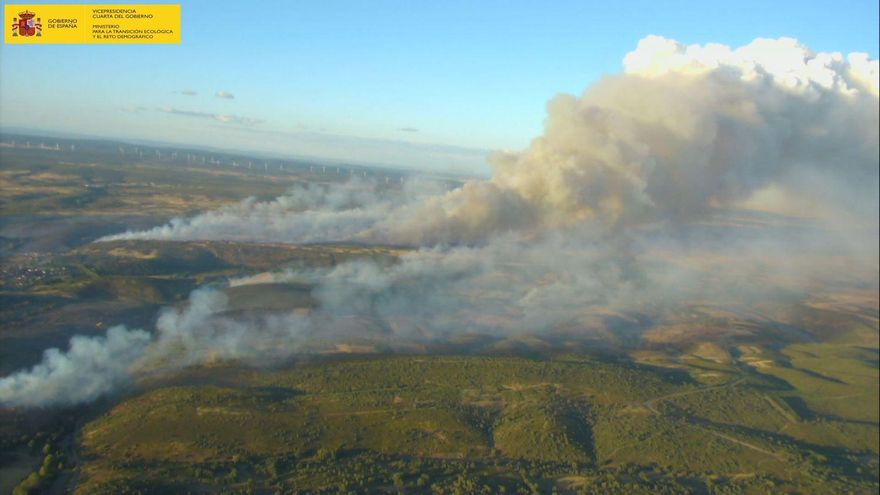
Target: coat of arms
{"x":26,"y":25}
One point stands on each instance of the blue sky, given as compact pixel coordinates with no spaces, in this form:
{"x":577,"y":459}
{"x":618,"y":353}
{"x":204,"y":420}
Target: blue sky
{"x":409,"y":83}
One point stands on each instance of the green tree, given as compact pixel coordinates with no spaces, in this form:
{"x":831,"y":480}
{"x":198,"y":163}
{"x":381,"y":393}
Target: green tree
{"x":32,"y":482}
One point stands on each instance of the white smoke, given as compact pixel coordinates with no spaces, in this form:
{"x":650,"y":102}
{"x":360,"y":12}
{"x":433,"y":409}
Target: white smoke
{"x":197,"y":333}
{"x":307,"y":213}
{"x":684,"y":130}
{"x":690,"y":128}
{"x":629,"y":206}
{"x":91,"y":367}
{"x":202,"y":332}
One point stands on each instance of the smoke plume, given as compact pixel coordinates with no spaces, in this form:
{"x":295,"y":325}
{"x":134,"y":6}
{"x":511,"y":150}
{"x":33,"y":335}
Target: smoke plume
{"x":701,"y":176}
{"x":684,"y":130}
{"x":91,"y":367}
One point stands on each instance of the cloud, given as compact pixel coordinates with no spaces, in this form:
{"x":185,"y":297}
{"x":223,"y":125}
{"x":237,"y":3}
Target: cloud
{"x":225,"y":95}
{"x":188,"y":92}
{"x":408,"y":129}
{"x":219,"y":117}
{"x":782,"y":62}
{"x":133,"y":109}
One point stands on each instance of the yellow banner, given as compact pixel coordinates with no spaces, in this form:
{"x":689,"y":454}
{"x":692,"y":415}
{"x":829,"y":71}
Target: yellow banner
{"x":106,"y":24}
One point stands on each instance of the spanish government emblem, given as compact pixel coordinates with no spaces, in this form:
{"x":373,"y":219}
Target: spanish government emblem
{"x":26,"y":25}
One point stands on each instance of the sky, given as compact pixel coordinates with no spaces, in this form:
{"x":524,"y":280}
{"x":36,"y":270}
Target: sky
{"x":425,"y":85}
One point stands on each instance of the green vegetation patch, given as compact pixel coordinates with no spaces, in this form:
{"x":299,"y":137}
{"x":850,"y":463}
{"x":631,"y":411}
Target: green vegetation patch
{"x":449,"y":424}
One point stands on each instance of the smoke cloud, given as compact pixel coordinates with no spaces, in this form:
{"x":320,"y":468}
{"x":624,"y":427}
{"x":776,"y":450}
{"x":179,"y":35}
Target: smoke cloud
{"x":684,"y":130}
{"x":91,"y":367}
{"x":703,"y":176}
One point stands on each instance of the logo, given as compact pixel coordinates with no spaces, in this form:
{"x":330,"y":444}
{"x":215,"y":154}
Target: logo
{"x":26,"y":26}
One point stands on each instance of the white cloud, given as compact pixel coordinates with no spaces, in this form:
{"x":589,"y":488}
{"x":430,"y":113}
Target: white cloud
{"x":219,"y":117}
